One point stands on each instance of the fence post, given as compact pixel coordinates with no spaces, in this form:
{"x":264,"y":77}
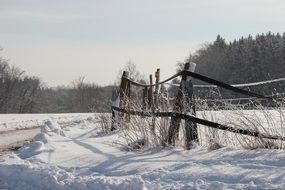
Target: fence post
{"x":189,"y":104}
{"x":144,"y":101}
{"x":128,"y":101}
{"x":173,"y":130}
{"x":151,"y":101}
{"x":123,"y":93}
{"x":115,"y":114}
{"x":157,"y":76}
{"x":150,"y":93}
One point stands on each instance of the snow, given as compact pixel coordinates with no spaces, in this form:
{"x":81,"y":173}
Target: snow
{"x":78,"y":155}
{"x":17,"y":136}
{"x":24,"y":121}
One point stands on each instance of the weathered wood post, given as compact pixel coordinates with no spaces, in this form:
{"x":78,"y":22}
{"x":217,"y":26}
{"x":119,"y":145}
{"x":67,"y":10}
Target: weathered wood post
{"x":157,"y":76}
{"x":115,"y":114}
{"x":189,"y":107}
{"x":144,"y":101}
{"x":123,"y":94}
{"x":184,"y":103}
{"x":128,"y":101}
{"x":173,"y":130}
{"x":152,"y":108}
{"x":150,"y":93}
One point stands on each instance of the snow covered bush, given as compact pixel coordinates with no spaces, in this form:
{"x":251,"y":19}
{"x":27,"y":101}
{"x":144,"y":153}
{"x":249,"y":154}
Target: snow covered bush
{"x":105,"y":122}
{"x":143,"y":132}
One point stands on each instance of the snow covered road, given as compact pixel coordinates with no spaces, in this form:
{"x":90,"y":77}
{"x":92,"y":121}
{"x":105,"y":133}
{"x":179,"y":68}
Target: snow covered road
{"x":80,"y":156}
{"x":15,"y":129}
{"x":16,"y":138}
{"x":25,"y":121}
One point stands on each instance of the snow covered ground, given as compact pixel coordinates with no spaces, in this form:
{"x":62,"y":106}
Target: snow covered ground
{"x":14,"y":139}
{"x":15,"y":129}
{"x":80,"y":156}
{"x":24,"y":121}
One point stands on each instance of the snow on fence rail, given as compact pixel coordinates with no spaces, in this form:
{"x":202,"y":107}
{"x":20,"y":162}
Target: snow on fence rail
{"x":183,"y":104}
{"x":245,"y":84}
{"x":236,"y":85}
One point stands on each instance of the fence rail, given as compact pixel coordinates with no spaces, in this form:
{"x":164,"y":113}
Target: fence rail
{"x":245,"y":84}
{"x":202,"y":122}
{"x":207,"y":80}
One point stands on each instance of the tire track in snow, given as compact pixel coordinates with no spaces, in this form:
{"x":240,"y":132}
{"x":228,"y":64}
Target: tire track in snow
{"x":12,"y":140}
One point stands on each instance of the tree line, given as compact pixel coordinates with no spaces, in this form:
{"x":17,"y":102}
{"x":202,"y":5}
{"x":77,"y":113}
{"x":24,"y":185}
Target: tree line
{"x":20,"y":93}
{"x":17,"y":91}
{"x":244,"y":60}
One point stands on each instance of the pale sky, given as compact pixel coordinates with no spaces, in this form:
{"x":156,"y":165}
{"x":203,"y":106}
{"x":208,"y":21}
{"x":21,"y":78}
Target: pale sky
{"x":60,"y":40}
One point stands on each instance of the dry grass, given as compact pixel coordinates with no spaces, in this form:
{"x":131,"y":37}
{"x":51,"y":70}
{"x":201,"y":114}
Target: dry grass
{"x":268,"y":121}
{"x":138,"y":133}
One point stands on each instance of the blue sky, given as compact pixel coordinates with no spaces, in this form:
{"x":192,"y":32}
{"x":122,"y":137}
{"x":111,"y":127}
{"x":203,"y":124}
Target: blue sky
{"x":59,"y":40}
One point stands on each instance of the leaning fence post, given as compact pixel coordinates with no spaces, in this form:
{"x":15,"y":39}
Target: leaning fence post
{"x":189,"y":106}
{"x":123,"y":94}
{"x":173,"y":130}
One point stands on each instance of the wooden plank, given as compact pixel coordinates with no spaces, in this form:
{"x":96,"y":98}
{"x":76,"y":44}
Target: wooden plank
{"x":206,"y":123}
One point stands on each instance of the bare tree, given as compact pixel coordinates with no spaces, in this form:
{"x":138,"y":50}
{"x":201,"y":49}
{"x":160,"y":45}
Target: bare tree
{"x":134,"y":74}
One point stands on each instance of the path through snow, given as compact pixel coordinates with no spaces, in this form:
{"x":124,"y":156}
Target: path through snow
{"x":16,"y":138}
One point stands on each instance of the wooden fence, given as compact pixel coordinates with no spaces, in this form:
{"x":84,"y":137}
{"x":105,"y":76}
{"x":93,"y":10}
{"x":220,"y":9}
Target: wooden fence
{"x":183,"y":103}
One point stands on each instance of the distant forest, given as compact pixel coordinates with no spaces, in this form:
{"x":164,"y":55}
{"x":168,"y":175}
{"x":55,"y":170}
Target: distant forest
{"x":20,"y":93}
{"x":248,"y":59}
{"x":244,"y":60}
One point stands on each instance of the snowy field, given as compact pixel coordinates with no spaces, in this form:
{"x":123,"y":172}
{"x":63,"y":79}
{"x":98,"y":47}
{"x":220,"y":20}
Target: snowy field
{"x":75,"y":154}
